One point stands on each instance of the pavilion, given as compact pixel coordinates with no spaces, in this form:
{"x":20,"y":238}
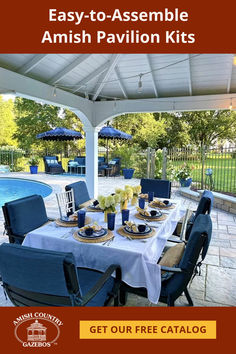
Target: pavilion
{"x":98,"y":87}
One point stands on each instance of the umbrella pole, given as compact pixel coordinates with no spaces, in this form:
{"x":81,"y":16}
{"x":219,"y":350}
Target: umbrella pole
{"x":107,"y":151}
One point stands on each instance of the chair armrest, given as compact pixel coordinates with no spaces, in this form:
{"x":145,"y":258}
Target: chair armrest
{"x":176,"y":241}
{"x":105,"y":276}
{"x":171,"y":269}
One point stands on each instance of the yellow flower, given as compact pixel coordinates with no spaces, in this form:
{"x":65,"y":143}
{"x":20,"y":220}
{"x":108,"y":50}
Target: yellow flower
{"x":118,"y":190}
{"x":110,"y":201}
{"x":117,"y":198}
{"x":123,"y":196}
{"x":101,"y":200}
{"x":129,"y":193}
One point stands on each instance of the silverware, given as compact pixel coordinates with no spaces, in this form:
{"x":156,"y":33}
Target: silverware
{"x":150,"y":225}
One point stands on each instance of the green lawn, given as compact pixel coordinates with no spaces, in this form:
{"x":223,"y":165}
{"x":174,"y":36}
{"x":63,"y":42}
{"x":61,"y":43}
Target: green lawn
{"x":224,"y":173}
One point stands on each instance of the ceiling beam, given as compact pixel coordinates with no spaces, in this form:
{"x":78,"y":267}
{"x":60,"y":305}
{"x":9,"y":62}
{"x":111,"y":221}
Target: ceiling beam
{"x":62,"y":73}
{"x":24,"y":86}
{"x":102,"y":81}
{"x":31,"y":63}
{"x":151,"y":74}
{"x":91,"y":77}
{"x":190,"y":86}
{"x":120,"y":82}
{"x":230,"y":75}
{"x":104,"y":110}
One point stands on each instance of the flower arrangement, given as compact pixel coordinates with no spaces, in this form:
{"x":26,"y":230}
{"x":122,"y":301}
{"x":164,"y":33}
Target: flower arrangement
{"x":125,"y":195}
{"x":184,"y":172}
{"x":136,"y":192}
{"x":108,"y":204}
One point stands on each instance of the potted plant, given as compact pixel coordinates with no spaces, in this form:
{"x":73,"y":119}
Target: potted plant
{"x":127,"y":155}
{"x":183,"y":175}
{"x":33,"y":164}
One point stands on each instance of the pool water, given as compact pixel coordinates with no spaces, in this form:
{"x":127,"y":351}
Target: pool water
{"x":15,"y":188}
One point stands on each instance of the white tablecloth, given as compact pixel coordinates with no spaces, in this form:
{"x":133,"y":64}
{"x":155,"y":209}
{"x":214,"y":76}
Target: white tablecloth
{"x":138,"y":260}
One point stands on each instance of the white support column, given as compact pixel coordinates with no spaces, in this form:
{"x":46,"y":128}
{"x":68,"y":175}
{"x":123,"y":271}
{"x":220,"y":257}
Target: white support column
{"x":92,"y":160}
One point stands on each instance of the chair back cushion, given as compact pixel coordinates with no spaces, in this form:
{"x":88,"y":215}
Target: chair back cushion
{"x":205,"y":204}
{"x":101,"y":160}
{"x":35,"y":270}
{"x":202,"y":225}
{"x":81,"y":194}
{"x":81,"y":160}
{"x":26,"y":214}
{"x":161,"y":188}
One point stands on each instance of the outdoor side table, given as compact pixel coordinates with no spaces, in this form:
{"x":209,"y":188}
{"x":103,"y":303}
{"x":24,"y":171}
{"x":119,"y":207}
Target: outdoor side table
{"x":108,"y":171}
{"x":80,"y":169}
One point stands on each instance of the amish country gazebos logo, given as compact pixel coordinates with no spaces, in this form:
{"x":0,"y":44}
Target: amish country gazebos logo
{"x":37,"y":329}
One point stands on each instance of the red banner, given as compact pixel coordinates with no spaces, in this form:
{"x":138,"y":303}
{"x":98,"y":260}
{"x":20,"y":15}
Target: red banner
{"x":125,"y":27}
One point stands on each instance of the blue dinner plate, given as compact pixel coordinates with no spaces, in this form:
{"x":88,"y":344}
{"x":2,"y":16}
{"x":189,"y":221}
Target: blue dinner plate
{"x":146,"y":232}
{"x":158,"y":215}
{"x":96,"y":234}
{"x":67,"y":220}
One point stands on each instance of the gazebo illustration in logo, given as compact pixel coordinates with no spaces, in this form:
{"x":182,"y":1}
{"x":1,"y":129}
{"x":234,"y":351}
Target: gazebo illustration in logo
{"x":36,"y":332}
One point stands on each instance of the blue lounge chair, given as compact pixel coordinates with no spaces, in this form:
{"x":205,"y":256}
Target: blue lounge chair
{"x":22,"y":216}
{"x":52,"y":165}
{"x":35,"y":277}
{"x":179,"y":276}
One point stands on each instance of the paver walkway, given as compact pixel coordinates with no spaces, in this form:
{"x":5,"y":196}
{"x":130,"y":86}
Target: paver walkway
{"x":217,"y":284}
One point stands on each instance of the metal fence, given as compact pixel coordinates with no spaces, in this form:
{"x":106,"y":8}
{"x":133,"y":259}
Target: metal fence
{"x":213,"y":168}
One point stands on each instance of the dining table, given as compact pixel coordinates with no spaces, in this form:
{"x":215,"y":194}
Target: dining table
{"x":138,"y":258}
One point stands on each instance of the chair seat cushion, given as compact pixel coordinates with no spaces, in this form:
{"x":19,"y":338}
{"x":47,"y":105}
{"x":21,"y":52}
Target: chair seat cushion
{"x":87,"y":279}
{"x":73,"y":163}
{"x":171,"y":258}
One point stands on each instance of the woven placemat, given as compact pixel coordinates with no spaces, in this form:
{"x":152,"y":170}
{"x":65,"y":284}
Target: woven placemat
{"x":94,"y":210}
{"x":160,"y":218}
{"x":88,"y":220}
{"x":106,"y":237}
{"x":160,"y":207}
{"x":122,"y":232}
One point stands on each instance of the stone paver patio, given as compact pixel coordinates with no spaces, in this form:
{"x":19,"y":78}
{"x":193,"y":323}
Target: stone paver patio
{"x":217,"y":284}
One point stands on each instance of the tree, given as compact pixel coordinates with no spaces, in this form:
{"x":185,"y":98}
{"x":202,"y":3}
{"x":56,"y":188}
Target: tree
{"x":206,"y":127}
{"x":33,"y":118}
{"x":7,"y":123}
{"x":177,"y":130}
{"x":144,"y":128}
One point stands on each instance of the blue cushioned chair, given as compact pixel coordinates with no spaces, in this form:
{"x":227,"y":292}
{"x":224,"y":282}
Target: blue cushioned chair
{"x":177,"y":282}
{"x":52,"y":165}
{"x":81,"y":194}
{"x":35,"y":277}
{"x":22,"y":216}
{"x":204,"y":207}
{"x":78,"y":165}
{"x":161,"y":188}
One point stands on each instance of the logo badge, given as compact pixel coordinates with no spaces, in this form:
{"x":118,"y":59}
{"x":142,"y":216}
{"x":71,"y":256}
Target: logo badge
{"x":37,"y":329}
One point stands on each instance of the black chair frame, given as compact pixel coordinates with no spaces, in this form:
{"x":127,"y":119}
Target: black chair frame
{"x":20,"y":297}
{"x":170,"y":300}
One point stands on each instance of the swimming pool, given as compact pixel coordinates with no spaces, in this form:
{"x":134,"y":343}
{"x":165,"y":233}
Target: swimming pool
{"x":15,"y":188}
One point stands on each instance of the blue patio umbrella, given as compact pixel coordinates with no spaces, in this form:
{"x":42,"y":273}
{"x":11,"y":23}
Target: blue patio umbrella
{"x":60,"y":134}
{"x":109,"y":132}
